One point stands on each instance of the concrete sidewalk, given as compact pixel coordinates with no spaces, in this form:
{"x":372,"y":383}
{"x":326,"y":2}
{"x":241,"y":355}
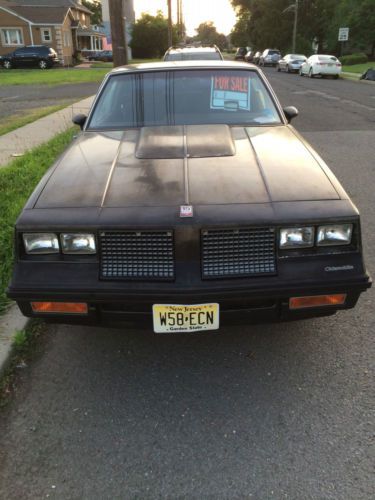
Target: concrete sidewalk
{"x":19,"y":141}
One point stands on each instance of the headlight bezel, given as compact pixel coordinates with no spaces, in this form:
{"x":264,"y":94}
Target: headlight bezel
{"x":285,"y":245}
{"x":317,"y":246}
{"x":64,"y":237}
{"x":321,"y":242}
{"x":58,"y":250}
{"x":28,"y":236}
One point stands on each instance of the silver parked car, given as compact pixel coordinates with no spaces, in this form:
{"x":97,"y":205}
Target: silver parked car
{"x":321,"y":64}
{"x":291,"y":63}
{"x":270,"y":57}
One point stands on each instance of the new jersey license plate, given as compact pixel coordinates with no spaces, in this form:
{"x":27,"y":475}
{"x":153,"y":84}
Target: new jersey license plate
{"x":174,"y":318}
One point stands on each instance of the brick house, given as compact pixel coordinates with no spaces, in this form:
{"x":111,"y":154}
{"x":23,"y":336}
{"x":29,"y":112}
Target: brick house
{"x":64,"y":25}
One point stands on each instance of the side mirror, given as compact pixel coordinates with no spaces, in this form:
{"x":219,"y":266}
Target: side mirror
{"x":290,"y":112}
{"x":79,"y":120}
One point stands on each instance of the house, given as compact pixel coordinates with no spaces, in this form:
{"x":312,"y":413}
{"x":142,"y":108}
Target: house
{"x":64,"y":25}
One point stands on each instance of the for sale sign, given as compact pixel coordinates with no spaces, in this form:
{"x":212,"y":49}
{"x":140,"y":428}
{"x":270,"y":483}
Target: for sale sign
{"x":343,"y":34}
{"x":230,"y":93}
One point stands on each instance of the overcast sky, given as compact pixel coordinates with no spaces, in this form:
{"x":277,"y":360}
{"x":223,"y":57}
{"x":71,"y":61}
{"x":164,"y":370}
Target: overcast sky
{"x":195,"y":12}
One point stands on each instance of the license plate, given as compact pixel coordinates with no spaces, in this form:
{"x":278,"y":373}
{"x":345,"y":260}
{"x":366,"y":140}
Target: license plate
{"x":330,"y":64}
{"x":174,"y":318}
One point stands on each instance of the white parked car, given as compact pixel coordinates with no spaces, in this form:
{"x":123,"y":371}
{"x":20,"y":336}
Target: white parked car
{"x":321,"y":64}
{"x":291,"y":62}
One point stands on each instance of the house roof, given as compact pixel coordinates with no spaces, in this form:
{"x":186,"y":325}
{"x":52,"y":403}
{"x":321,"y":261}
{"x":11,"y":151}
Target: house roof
{"x":47,"y":15}
{"x":37,"y":4}
{"x":89,"y":32}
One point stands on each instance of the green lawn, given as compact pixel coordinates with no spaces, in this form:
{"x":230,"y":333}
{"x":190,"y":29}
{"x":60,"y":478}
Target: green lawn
{"x":29,"y":115}
{"x":358,"y":68}
{"x":60,"y":76}
{"x":56,"y":76}
{"x":17,"y":181}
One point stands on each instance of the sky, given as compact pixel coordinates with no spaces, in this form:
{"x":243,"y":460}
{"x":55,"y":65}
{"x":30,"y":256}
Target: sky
{"x":220,"y":12}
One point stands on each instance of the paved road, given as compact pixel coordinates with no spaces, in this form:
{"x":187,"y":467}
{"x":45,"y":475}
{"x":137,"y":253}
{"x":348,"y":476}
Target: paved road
{"x":14,"y":99}
{"x":275,"y":411}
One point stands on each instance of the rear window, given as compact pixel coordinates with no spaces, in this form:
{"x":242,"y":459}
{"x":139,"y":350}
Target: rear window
{"x":327,"y":58}
{"x":271,"y":52}
{"x":183,"y":97}
{"x":193,"y":56}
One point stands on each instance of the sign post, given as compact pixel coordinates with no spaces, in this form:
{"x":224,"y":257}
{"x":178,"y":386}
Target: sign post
{"x":343,"y":37}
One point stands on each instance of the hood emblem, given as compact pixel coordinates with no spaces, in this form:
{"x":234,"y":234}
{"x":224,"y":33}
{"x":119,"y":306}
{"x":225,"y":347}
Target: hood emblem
{"x":186,"y":211}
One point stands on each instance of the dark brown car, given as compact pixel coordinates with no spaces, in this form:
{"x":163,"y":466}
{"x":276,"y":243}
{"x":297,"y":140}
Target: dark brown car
{"x":187,"y":202}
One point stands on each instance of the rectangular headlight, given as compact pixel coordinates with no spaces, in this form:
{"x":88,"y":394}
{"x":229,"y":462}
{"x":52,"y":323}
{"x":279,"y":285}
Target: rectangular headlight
{"x":81,"y":243}
{"x":41,"y":243}
{"x":296,"y":237}
{"x":335,"y":234}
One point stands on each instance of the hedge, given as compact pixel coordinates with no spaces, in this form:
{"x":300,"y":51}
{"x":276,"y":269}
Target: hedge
{"x":359,"y":58}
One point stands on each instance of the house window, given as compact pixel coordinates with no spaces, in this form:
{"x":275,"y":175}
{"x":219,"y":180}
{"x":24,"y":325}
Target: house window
{"x":46,"y":35}
{"x":11,"y":36}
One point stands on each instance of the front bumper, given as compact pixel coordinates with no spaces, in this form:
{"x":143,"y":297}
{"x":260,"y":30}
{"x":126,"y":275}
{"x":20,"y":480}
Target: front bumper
{"x":237,"y":306}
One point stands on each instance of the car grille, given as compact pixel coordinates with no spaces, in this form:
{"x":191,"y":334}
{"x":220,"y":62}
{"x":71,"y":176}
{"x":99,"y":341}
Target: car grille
{"x":238,"y":252}
{"x":136,"y":255}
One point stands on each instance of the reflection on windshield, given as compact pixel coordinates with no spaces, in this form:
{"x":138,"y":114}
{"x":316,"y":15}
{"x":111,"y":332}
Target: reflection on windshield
{"x":186,"y":97}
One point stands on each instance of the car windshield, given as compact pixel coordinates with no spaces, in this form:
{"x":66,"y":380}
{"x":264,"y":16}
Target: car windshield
{"x":296,"y":56}
{"x":183,"y":97}
{"x":193,"y":56}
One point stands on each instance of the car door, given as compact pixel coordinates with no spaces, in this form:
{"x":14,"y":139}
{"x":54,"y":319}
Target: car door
{"x":19,"y":56}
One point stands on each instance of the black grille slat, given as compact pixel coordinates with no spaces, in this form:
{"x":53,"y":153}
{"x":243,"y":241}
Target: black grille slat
{"x":137,"y":255}
{"x":238,"y":252}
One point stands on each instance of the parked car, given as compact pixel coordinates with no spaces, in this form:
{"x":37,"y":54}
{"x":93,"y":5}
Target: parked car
{"x":249,"y":57}
{"x":291,"y":63}
{"x":256,"y":57}
{"x":101,"y":55}
{"x":322,"y":65}
{"x":31,"y":55}
{"x":187,"y":202}
{"x":240,"y":53}
{"x":269,"y":57}
{"x":193,"y":53}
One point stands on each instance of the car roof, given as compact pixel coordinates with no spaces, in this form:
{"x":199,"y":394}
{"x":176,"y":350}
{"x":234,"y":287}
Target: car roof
{"x":177,"y":50}
{"x":169,"y":65}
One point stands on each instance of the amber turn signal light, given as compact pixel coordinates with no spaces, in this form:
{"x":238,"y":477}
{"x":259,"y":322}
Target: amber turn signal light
{"x":336,"y":299}
{"x":60,"y":307}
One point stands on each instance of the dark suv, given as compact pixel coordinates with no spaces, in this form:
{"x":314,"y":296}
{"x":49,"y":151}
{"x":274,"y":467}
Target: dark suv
{"x":31,"y":55}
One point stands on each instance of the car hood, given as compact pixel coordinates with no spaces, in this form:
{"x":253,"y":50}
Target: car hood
{"x":194,"y":164}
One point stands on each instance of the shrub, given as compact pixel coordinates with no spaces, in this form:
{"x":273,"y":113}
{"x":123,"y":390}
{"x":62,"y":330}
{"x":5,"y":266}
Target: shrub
{"x":354,"y":59}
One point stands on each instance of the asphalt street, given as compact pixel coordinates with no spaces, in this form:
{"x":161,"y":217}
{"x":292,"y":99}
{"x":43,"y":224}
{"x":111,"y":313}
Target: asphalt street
{"x":14,"y":99}
{"x":269,"y":411}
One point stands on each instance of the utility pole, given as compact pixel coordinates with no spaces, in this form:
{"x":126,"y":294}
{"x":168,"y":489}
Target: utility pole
{"x":170,"y":39}
{"x":117,"y":20}
{"x":295,"y":25}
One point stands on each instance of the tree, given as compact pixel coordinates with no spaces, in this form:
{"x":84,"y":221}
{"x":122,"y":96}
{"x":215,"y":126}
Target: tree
{"x":207,"y":34}
{"x":269,"y":25}
{"x":150,"y":36}
{"x":96,"y":8}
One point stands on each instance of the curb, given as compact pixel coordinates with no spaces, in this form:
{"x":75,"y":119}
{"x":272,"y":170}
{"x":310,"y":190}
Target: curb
{"x":12,"y":322}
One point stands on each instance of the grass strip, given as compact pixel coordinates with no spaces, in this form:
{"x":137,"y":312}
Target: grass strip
{"x":358,"y":68}
{"x":17,"y":181}
{"x":29,"y":115}
{"x":51,"y":77}
{"x":25,"y":346}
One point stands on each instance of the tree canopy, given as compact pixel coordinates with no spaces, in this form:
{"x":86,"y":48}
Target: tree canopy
{"x":207,"y":34}
{"x":96,"y":8}
{"x":150,"y":36}
{"x":269,"y":23}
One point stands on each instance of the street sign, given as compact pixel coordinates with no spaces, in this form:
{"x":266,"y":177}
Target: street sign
{"x":343,"y":34}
